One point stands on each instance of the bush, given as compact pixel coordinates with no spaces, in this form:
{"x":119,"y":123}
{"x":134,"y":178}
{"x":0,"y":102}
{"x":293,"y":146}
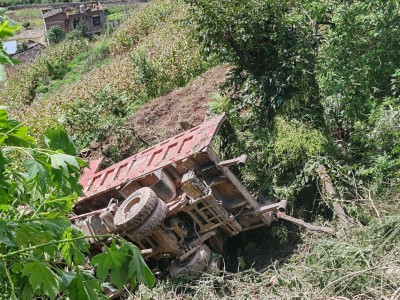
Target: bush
{"x":54,"y":35}
{"x":26,"y":24}
{"x":22,"y":47}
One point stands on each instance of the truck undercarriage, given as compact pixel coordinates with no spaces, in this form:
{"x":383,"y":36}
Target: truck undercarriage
{"x":176,"y":199}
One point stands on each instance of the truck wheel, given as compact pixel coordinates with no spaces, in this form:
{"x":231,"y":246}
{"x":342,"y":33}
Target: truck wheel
{"x":194,"y":265}
{"x":153,"y":221}
{"x":135,"y":209}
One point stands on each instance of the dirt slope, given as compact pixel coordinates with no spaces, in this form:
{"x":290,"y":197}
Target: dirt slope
{"x":160,"y":119}
{"x":168,"y":115}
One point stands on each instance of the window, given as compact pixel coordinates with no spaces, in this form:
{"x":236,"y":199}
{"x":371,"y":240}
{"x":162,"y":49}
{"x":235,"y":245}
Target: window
{"x":76,"y":22}
{"x":96,"y":21}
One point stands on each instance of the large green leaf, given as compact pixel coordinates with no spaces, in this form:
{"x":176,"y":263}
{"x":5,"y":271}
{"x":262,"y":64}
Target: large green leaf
{"x":58,"y":139}
{"x":83,"y":288}
{"x":38,"y":173}
{"x":73,"y":251}
{"x":61,"y":161}
{"x":137,"y":266}
{"x":26,"y":292}
{"x":6,"y":30}
{"x":4,"y":235}
{"x":41,"y":278}
{"x":113,"y":262}
{"x":12,"y":133}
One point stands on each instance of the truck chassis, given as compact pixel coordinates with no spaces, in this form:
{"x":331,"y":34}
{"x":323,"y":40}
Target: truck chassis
{"x":176,"y":199}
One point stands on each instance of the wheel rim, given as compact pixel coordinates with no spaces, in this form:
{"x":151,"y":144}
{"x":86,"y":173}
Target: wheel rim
{"x":130,"y":206}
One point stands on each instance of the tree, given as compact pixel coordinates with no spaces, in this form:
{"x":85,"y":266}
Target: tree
{"x":327,"y":67}
{"x":81,"y":31}
{"x":42,"y":253}
{"x":55,"y":34}
{"x":271,"y":45}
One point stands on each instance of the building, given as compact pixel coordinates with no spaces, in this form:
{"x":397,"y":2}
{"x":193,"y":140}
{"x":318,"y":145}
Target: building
{"x":29,"y":53}
{"x":69,"y":17}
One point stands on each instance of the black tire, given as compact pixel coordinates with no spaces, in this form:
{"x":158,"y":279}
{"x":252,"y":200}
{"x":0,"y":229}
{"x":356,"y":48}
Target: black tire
{"x":135,"y":209}
{"x":195,"y":265}
{"x":153,"y":221}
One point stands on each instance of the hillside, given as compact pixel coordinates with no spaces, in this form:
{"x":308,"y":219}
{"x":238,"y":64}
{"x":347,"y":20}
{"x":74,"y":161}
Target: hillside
{"x":312,"y":92}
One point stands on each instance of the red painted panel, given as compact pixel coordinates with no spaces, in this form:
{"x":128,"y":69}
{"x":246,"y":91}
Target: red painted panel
{"x":171,"y":150}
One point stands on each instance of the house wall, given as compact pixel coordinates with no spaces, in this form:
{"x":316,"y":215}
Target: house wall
{"x":59,"y":19}
{"x":88,"y":19}
{"x":66,"y":22}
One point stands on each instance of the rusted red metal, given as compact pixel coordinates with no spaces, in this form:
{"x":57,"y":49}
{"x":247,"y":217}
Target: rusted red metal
{"x":159,"y":156}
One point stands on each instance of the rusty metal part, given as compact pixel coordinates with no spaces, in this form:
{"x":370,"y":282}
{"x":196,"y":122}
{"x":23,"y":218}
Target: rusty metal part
{"x":282,"y":205}
{"x":193,"y":186}
{"x":91,"y":226}
{"x":282,"y":215}
{"x":279,"y":206}
{"x":196,"y":244}
{"x":179,"y":227}
{"x":92,"y":213}
{"x":177,"y":204}
{"x":241,"y":161}
{"x":107,"y":219}
{"x":164,"y":187}
{"x":113,"y":208}
{"x":167,"y":242}
{"x":249,"y":198}
{"x":209,"y":214}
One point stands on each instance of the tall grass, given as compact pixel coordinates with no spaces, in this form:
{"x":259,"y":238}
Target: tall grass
{"x":361,"y":264}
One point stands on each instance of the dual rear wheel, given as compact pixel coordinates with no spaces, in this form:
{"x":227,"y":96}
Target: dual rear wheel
{"x":141,"y":213}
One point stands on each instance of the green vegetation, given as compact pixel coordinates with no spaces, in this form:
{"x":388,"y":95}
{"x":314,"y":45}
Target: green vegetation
{"x":5,"y":31}
{"x":33,"y":16}
{"x":133,"y":72}
{"x":42,"y":253}
{"x":6,"y":3}
{"x":363,"y":265}
{"x":314,"y":84}
{"x":55,"y":35}
{"x":308,"y":81}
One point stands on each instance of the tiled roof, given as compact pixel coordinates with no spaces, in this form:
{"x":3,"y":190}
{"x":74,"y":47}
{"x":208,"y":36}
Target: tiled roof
{"x":51,"y":13}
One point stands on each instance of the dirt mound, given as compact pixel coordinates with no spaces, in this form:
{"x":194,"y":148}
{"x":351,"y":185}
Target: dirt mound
{"x":179,"y":110}
{"x":160,"y":119}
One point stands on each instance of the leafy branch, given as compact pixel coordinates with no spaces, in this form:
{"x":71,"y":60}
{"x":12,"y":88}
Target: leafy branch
{"x":42,"y":253}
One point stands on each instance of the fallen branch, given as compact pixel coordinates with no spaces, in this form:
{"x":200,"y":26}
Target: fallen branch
{"x":282,"y":215}
{"x":330,"y":190}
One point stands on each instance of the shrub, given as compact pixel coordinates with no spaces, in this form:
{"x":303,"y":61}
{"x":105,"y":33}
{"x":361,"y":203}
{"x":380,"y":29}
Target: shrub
{"x":26,"y":24}
{"x":54,"y":34}
{"x":22,"y":47}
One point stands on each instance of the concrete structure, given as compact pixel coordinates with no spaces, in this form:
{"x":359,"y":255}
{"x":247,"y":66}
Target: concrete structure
{"x":30,"y":53}
{"x":92,"y":14}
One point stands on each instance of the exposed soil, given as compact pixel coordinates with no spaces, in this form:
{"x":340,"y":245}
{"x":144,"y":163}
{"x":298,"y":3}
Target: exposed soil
{"x":179,"y":110}
{"x":160,"y":119}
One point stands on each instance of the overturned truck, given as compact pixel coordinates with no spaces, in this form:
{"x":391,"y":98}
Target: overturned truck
{"x":176,"y":199}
